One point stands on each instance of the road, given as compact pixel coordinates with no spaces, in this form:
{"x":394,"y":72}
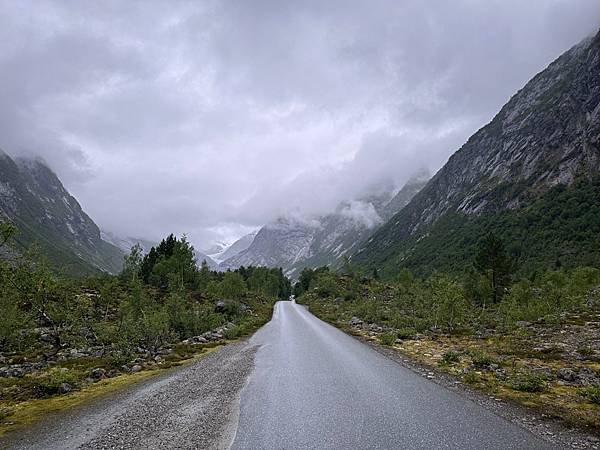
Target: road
{"x":298,"y":383}
{"x":316,"y":387}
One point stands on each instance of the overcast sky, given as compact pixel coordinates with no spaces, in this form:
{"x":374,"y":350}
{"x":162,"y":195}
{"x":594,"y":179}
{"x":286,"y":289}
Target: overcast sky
{"x":211,"y":118}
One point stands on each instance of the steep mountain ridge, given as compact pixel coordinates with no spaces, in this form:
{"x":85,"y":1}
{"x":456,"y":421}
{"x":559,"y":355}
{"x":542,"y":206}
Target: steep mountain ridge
{"x":237,"y":247}
{"x":548,"y":134}
{"x":34,"y":199}
{"x":295,"y":242}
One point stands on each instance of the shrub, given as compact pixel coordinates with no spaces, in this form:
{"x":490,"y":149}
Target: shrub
{"x":471,"y":377}
{"x":49,"y":382}
{"x":234,"y":332}
{"x":449,"y":357}
{"x":406,"y":333}
{"x":482,"y":360}
{"x":387,"y":339}
{"x":591,"y":394}
{"x":527,"y":382}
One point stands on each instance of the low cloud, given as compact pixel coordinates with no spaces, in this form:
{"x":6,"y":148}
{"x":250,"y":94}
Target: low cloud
{"x":212,"y":118}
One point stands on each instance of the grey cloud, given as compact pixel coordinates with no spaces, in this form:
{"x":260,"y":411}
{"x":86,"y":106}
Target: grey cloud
{"x":215,"y":117}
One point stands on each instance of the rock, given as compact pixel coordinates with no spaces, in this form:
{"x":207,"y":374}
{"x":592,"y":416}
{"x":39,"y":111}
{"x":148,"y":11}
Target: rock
{"x":566,"y":374}
{"x":588,"y":376}
{"x":136,"y":368}
{"x":12,"y":372}
{"x":125,"y":368}
{"x":220,"y":306}
{"x":64,"y":388}
{"x":45,"y":337}
{"x":111,"y":374}
{"x":355,"y":321}
{"x":158,"y":359}
{"x":98,"y":373}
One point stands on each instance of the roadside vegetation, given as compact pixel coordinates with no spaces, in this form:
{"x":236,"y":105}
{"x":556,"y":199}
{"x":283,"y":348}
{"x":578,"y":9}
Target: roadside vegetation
{"x":64,"y":336}
{"x":531,"y":340}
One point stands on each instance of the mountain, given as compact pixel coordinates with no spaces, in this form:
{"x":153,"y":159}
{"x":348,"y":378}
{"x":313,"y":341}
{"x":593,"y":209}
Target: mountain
{"x":126,"y":243}
{"x":215,"y":249}
{"x":294,"y":242}
{"x":200,"y":257}
{"x":34,"y":199}
{"x":544,"y":141}
{"x":237,"y":247}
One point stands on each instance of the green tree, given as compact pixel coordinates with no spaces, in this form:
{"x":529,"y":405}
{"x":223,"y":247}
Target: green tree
{"x":233,"y":285}
{"x":450,"y":303}
{"x":493,"y":261}
{"x":132,"y":263}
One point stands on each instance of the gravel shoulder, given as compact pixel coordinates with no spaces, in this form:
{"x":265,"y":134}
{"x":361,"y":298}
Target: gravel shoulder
{"x":193,"y":407}
{"x":539,"y":424}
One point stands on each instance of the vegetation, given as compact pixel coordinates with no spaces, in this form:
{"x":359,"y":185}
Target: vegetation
{"x":559,"y":229}
{"x":60,"y":334}
{"x":530,"y":339}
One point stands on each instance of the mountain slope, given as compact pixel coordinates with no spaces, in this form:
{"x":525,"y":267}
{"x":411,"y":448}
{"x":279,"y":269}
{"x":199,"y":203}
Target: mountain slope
{"x":126,"y":243}
{"x":34,"y":199}
{"x":238,"y":246}
{"x":293,"y":243}
{"x":548,"y":134}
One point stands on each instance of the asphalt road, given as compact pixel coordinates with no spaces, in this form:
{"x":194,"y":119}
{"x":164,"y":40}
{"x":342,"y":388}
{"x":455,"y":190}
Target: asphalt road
{"x":316,"y":387}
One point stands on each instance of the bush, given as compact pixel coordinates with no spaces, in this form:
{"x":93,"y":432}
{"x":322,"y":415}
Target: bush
{"x":527,"y":382}
{"x":449,"y":357}
{"x":387,"y":339}
{"x":471,"y":377}
{"x":406,"y":333}
{"x":591,"y":394}
{"x":482,"y":360}
{"x":235,"y":332}
{"x":49,"y":382}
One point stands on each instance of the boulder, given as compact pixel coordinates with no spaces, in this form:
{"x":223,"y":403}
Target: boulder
{"x":98,"y":373}
{"x":64,"y":388}
{"x":566,"y":374}
{"x":136,"y":368}
{"x":355,"y":321}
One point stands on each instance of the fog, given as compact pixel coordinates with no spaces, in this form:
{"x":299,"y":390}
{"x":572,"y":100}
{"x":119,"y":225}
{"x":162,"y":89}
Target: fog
{"x":213,"y":118}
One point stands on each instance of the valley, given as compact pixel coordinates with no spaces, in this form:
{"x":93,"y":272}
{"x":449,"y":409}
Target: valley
{"x":300,"y":227}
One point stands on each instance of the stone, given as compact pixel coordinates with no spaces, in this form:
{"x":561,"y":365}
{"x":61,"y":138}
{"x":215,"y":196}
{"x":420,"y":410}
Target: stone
{"x":355,"y":321}
{"x":566,"y":374}
{"x":98,"y":373}
{"x":588,"y":376}
{"x":64,"y":388}
{"x":136,"y":368}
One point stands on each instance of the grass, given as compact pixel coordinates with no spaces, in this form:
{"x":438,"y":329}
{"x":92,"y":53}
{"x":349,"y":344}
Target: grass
{"x":16,"y":415}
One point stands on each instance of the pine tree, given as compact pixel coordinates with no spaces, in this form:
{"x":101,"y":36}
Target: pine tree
{"x":493,"y":261}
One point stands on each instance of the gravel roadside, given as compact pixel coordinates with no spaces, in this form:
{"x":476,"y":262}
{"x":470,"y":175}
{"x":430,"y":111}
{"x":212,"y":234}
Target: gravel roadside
{"x":194,"y":407}
{"x":551,"y":429}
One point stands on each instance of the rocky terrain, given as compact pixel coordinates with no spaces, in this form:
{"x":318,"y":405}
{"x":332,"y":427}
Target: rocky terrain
{"x":194,"y":407}
{"x":34,"y":199}
{"x":548,"y":134}
{"x":294,"y":242}
{"x":552,"y":367}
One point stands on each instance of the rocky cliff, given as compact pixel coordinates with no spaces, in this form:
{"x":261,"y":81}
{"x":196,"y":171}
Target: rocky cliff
{"x":548,"y":134}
